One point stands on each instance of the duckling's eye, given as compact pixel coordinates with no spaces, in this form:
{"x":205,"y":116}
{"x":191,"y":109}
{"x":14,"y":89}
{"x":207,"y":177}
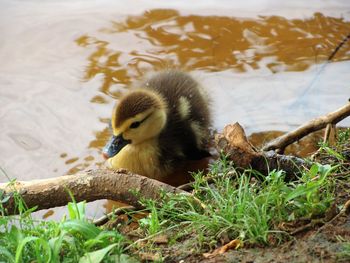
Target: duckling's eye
{"x":135,"y":124}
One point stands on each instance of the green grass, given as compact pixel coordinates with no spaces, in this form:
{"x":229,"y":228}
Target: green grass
{"x":339,"y":148}
{"x":23,"y":239}
{"x":237,"y":205}
{"x":343,"y":137}
{"x":151,"y":223}
{"x":344,"y":254}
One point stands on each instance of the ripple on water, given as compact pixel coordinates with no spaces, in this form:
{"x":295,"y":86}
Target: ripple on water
{"x":25,"y":141}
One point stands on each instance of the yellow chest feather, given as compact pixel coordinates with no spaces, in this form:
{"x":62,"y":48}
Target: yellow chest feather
{"x":141,"y":158}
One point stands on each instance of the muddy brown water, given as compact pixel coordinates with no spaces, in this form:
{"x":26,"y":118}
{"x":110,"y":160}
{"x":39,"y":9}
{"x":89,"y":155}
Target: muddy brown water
{"x":64,"y":65}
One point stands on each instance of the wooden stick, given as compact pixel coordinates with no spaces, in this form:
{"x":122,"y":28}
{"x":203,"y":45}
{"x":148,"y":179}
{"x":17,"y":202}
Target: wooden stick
{"x":234,"y":143}
{"x":89,"y":186}
{"x":314,"y":125}
{"x":121,"y":210}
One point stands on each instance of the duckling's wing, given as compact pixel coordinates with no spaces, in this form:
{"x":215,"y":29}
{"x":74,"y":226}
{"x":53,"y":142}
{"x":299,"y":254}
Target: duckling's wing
{"x":179,"y":140}
{"x":196,"y":154}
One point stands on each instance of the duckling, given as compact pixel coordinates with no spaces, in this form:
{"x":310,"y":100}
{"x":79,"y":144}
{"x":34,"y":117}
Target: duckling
{"x":159,"y":126}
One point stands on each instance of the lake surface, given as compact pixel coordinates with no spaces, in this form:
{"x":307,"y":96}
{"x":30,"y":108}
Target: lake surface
{"x":64,"y":64}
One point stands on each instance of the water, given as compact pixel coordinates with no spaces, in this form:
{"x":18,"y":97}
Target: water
{"x":65,"y":63}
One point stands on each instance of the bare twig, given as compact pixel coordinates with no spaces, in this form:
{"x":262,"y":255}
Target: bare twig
{"x":121,"y":210}
{"x":186,"y":187}
{"x":179,"y":225}
{"x":343,"y":211}
{"x":330,"y":134}
{"x":331,"y":56}
{"x":312,"y":224}
{"x":314,"y":125}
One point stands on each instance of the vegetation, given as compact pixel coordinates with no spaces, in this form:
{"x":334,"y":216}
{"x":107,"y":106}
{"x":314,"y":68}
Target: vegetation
{"x":240,"y":206}
{"x":24,"y":239}
{"x":344,"y":254}
{"x":226,"y":204}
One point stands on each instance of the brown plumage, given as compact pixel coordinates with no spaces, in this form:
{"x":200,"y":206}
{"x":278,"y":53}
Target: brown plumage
{"x":133,"y":104}
{"x":160,"y":125}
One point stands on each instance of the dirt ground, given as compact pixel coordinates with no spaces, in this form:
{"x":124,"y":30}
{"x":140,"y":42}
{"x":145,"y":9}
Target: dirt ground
{"x":317,"y":245}
{"x":316,"y":240}
{"x":321,"y":242}
{"x":309,"y":240}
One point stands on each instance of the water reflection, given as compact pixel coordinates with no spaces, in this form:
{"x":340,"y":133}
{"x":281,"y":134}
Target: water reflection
{"x":161,"y":38}
{"x":211,"y":43}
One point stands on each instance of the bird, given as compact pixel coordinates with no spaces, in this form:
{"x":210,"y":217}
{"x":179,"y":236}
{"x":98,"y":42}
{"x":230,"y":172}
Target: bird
{"x":159,"y":125}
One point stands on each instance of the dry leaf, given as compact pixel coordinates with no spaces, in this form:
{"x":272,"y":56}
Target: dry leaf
{"x":234,"y":244}
{"x":48,"y":214}
{"x":150,"y":256}
{"x":160,"y":239}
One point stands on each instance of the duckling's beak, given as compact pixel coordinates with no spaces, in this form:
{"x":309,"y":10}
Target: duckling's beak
{"x":115,"y":144}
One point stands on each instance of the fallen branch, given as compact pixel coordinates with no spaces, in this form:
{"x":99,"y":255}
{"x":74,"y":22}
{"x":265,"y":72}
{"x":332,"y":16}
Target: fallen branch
{"x":321,"y":222}
{"x":234,"y":143}
{"x":89,"y":186}
{"x":343,"y":212}
{"x":283,"y":141}
{"x":311,"y":225}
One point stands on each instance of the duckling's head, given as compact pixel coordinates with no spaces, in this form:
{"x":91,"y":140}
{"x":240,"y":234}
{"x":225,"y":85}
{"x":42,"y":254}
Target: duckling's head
{"x":140,"y":116}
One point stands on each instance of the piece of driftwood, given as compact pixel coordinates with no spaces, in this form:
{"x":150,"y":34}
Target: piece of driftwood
{"x":280,"y":143}
{"x":119,"y":211}
{"x":89,"y":186}
{"x":234,"y":143}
